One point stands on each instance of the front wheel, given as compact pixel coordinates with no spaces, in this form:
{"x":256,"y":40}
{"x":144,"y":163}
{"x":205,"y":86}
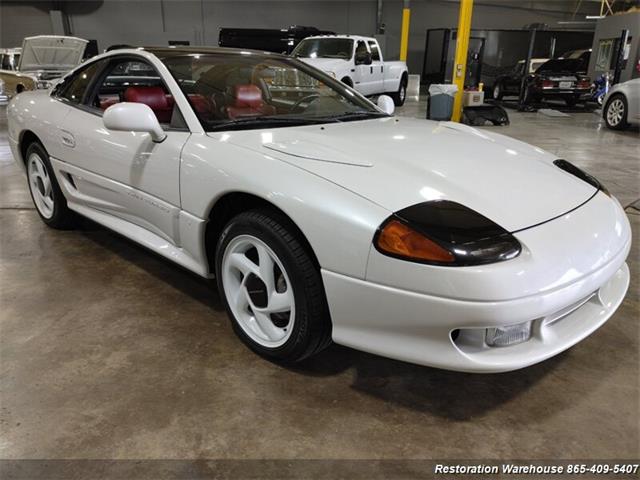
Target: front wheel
{"x":45,"y":191}
{"x":271,"y":289}
{"x":615,"y":112}
{"x":347,"y":81}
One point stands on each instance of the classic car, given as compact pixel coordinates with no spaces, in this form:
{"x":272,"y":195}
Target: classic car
{"x":357,"y":62}
{"x":322,"y":216}
{"x":622,"y":105}
{"x":43,"y":60}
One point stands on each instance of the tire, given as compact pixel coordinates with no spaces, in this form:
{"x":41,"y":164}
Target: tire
{"x":47,"y":197}
{"x":347,"y":81}
{"x":258,"y":256}
{"x":400,"y":96}
{"x":528,"y":96}
{"x":615,"y":112}
{"x":498,"y":92}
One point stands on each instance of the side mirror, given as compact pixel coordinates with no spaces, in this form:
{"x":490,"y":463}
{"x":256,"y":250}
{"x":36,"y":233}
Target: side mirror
{"x":385,"y":103}
{"x":363,"y":58}
{"x":133,"y":117}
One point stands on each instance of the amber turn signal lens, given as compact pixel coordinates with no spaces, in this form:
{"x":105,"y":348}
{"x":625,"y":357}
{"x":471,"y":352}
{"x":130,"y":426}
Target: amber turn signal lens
{"x":398,"y":239}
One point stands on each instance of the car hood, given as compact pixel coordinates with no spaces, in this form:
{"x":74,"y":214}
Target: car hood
{"x":325,"y":64}
{"x":398,"y":162}
{"x":51,"y":53}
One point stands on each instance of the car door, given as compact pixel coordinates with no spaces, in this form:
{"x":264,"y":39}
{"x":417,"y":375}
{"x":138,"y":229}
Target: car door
{"x":376,"y":68}
{"x":633,"y":99}
{"x":362,"y":74}
{"x":125,"y":175}
{"x":514,"y":80}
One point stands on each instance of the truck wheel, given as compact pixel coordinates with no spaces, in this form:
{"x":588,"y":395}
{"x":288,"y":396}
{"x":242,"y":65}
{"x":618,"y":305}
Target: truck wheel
{"x":347,"y":81}
{"x":401,"y":95}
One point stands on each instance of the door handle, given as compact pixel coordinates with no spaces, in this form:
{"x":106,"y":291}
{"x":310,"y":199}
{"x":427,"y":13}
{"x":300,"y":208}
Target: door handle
{"x":371,"y":70}
{"x":68,"y":139}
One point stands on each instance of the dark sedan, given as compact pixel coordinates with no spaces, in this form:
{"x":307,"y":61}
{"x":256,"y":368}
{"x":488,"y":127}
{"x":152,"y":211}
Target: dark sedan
{"x":559,"y":78}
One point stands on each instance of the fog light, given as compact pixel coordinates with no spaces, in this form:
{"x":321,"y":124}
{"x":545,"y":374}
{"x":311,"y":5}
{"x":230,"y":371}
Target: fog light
{"x":508,"y":335}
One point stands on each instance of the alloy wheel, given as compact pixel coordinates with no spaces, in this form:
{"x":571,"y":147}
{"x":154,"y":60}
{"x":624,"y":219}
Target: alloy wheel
{"x":615,"y":112}
{"x":258,"y":291}
{"x":41,"y":187}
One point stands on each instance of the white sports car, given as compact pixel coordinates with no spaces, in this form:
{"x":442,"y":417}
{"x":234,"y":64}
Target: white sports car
{"x":321,"y":215}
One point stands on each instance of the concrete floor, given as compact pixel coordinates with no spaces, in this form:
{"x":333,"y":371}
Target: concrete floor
{"x":110,"y":352}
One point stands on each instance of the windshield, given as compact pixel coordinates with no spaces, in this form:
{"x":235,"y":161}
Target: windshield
{"x":568,"y":65}
{"x":324,"y":48}
{"x":230,"y":91}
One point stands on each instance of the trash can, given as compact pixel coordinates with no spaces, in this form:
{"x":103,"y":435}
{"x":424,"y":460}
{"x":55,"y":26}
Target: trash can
{"x":441,"y":101}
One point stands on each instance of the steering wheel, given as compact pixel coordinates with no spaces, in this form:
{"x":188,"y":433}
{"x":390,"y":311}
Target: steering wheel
{"x":311,"y":97}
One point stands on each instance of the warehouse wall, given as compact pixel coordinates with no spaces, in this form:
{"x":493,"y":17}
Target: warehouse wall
{"x":23,"y":19}
{"x":442,"y":14}
{"x":611,"y":28}
{"x":147,"y":22}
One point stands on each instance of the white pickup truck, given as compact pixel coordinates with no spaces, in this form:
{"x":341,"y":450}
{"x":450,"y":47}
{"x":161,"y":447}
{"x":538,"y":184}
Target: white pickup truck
{"x":356,"y":61}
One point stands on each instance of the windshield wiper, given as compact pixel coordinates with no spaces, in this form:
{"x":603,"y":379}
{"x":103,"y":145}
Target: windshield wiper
{"x":267,"y":120}
{"x":347,"y":116}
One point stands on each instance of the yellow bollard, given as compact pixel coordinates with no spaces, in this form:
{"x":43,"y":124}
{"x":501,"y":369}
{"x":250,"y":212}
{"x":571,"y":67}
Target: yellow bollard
{"x":404,"y":36}
{"x":462,"y":48}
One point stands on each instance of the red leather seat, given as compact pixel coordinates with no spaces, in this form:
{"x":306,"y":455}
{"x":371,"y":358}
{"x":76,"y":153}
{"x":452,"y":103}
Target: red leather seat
{"x":107,"y":102}
{"x":202,"y":106}
{"x":155,"y":98}
{"x":248,"y":102}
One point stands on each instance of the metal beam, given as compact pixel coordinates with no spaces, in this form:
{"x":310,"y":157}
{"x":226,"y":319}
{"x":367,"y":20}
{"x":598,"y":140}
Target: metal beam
{"x":462,"y":49}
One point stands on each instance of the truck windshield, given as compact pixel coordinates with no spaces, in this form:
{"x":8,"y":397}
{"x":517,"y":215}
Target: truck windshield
{"x":231,"y":91}
{"x":324,"y":48}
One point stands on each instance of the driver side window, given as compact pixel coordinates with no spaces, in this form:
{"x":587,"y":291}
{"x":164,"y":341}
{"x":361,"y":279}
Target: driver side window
{"x":134,"y":80}
{"x":361,"y":48}
{"x":375,"y":52}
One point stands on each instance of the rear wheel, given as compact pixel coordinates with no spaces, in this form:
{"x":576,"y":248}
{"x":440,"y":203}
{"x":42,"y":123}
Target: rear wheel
{"x":272,"y":291}
{"x":615,"y":112}
{"x":400,"y":96}
{"x":45,"y":191}
{"x":498,"y":92}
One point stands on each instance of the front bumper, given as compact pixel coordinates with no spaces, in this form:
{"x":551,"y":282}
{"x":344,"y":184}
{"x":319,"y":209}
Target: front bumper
{"x":417,"y":328}
{"x":569,"y":279}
